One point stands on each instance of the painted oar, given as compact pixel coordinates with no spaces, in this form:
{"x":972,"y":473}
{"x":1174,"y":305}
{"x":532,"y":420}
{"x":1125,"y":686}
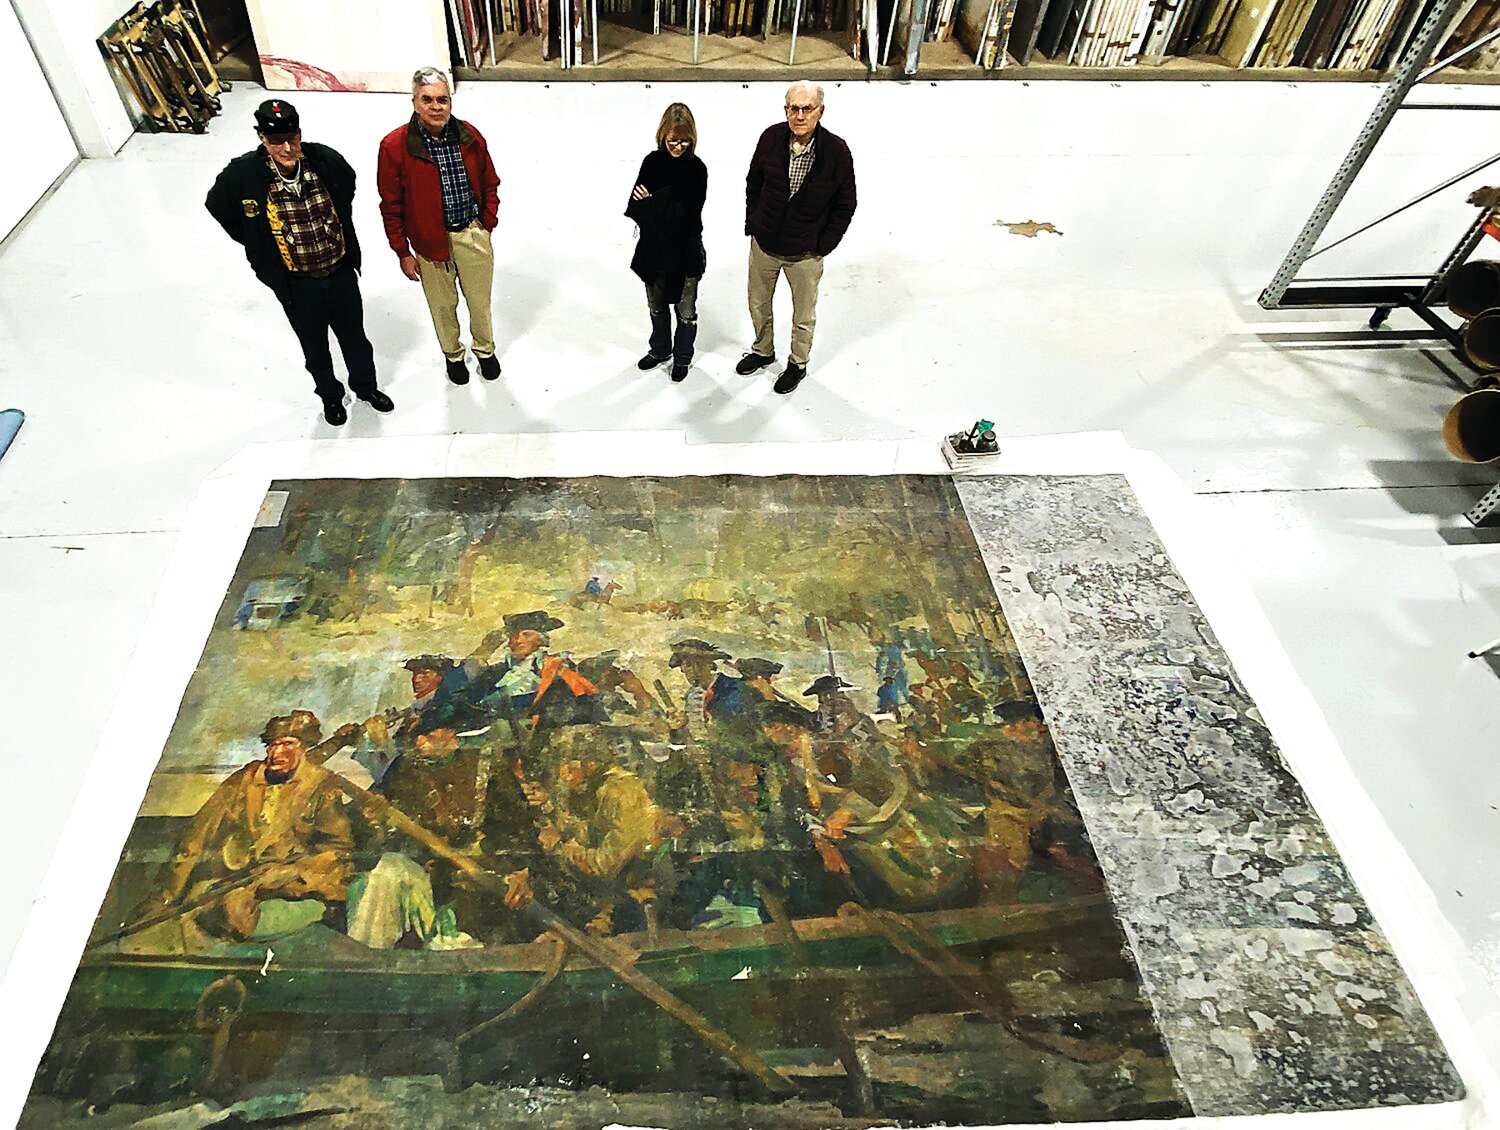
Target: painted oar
{"x":10,"y":423}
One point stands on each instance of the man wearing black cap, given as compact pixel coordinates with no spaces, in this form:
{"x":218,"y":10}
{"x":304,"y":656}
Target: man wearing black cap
{"x":289,"y":206}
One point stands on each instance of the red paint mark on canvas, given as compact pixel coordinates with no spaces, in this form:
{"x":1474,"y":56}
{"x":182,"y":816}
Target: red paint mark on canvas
{"x":305,"y":76}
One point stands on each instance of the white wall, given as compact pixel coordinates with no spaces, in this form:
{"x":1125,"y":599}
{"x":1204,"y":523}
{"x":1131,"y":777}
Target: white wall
{"x":65,"y":37}
{"x":347,"y":44}
{"x":49,"y":146}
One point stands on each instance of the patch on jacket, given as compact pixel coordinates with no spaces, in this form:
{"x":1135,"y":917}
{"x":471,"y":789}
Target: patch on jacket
{"x":252,"y":208}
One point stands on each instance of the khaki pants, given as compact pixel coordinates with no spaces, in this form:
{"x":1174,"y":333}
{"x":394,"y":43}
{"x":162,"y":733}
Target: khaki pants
{"x":471,"y":266}
{"x":802,"y":274}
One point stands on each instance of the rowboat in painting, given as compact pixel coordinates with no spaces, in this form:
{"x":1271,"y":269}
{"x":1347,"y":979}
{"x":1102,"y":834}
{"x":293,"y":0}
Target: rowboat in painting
{"x":198,"y":1022}
{"x":319,"y":970}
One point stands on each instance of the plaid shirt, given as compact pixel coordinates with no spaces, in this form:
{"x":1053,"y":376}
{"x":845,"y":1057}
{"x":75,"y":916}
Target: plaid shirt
{"x":304,"y":223}
{"x":801,"y":164}
{"x":459,"y":206}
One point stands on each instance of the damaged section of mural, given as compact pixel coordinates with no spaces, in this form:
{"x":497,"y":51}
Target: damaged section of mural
{"x":1274,"y":986}
{"x":676,"y":802}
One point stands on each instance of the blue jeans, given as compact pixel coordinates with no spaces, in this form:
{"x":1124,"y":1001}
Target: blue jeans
{"x":663,"y":342}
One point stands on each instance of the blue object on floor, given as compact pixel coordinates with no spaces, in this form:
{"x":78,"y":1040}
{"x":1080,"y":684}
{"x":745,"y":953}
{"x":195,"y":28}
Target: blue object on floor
{"x":10,"y":423}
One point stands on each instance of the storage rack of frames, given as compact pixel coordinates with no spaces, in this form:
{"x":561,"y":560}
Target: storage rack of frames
{"x":161,"y":55}
{"x":1470,"y":290}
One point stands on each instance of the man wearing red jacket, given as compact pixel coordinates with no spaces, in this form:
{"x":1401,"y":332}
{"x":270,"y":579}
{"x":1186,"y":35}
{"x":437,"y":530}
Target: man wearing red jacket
{"x":799,"y":199}
{"x":439,"y":197}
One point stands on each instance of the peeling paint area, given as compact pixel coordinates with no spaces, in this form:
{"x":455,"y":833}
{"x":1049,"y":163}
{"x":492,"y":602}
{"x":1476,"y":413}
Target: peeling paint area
{"x":1272,"y":984}
{"x":1028,"y":228}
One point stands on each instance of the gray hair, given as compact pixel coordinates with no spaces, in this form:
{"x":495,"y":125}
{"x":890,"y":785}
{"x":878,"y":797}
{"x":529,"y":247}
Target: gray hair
{"x":431,"y":76}
{"x":804,"y":84}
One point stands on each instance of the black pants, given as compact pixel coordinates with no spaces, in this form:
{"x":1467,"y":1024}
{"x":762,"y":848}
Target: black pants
{"x":315,"y":306}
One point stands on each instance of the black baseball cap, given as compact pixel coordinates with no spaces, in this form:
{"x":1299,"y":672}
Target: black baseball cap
{"x":277,"y":116}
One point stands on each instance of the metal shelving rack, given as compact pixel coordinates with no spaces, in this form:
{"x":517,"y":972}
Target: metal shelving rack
{"x":1416,"y":292}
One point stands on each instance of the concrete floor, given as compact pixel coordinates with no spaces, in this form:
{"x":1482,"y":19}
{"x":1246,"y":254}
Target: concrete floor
{"x":146,"y":355}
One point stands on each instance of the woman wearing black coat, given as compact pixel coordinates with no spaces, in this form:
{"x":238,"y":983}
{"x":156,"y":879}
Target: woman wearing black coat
{"x":667,"y":206}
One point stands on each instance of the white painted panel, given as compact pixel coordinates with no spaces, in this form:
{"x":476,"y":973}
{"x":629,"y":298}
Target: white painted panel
{"x":347,"y":44}
{"x":65,"y":37}
{"x":49,"y":146}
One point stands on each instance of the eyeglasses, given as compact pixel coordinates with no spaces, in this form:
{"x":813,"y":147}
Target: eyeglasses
{"x":802,"y":111}
{"x":676,"y":141}
{"x":275,"y":142}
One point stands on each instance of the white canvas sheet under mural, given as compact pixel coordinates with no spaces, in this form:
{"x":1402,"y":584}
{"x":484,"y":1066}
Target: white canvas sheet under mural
{"x":347,"y":44}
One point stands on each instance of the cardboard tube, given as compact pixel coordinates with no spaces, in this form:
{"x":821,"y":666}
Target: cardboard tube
{"x":1482,"y":340}
{"x":1474,"y":288}
{"x":1471,"y":430}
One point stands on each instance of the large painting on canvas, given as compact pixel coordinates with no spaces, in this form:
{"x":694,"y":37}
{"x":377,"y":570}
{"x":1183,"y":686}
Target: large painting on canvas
{"x":677,"y":802}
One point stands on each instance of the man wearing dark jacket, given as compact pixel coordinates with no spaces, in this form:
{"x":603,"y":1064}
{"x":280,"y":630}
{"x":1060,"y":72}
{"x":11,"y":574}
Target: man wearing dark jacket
{"x":289,"y":206}
{"x":799,"y":199}
{"x":439,"y":197}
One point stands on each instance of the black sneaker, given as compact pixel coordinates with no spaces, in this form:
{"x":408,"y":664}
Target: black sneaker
{"x":790,"y":378}
{"x":489,"y":367}
{"x":333,"y":412}
{"x":458,"y":372}
{"x":752,"y":362}
{"x":378,"y":400}
{"x":679,"y":372}
{"x":650,"y":362}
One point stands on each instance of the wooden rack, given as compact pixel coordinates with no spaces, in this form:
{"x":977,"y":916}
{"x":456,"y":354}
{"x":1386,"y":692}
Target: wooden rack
{"x":160,"y":55}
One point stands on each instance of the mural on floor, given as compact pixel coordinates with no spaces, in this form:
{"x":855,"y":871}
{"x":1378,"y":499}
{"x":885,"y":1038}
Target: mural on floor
{"x":721,"y":801}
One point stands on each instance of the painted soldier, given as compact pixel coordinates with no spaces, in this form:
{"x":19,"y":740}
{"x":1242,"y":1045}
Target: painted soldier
{"x":597,"y":828}
{"x":833,"y":703}
{"x":698,"y":660}
{"x":274,"y":829}
{"x":529,"y":682}
{"x":735,"y":701}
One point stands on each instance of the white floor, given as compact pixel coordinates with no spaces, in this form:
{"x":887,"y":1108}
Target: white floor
{"x":145,"y":355}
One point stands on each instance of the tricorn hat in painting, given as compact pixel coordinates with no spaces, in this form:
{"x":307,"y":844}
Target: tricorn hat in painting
{"x":695,"y":649}
{"x":531,"y":622}
{"x":826,"y":684}
{"x":300,"y":724}
{"x":439,"y":663}
{"x":757,"y":668}
{"x":276,"y":116}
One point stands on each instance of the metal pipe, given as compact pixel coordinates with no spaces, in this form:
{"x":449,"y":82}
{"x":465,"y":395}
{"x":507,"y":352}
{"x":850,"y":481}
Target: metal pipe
{"x":1475,"y":46}
{"x":915,"y":36}
{"x":1390,"y":101}
{"x":791,"y":56}
{"x":1431,"y":192}
{"x":1438,"y":284}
